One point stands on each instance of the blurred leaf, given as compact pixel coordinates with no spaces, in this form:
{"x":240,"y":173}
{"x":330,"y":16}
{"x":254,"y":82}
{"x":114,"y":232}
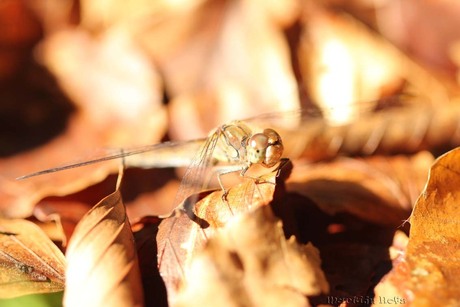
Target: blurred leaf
{"x":426,"y":273}
{"x":377,"y":189}
{"x":30,"y":262}
{"x":127,"y":103}
{"x":222,"y":60}
{"x":102,"y":264}
{"x":434,"y":23}
{"x":339,"y":52}
{"x":250,"y":263}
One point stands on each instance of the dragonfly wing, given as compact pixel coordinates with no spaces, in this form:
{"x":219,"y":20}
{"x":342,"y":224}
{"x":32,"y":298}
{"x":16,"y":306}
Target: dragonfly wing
{"x":167,"y":154}
{"x":346,"y":113}
{"x":174,"y":233}
{"x":318,"y":134}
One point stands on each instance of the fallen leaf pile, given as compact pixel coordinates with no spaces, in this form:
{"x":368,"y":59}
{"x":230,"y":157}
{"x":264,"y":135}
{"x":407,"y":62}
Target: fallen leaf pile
{"x":365,"y":96}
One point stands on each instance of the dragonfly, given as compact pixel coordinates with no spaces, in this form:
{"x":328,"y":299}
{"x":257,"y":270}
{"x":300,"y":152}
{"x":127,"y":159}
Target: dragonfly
{"x":231,"y":151}
{"x":233,"y":147}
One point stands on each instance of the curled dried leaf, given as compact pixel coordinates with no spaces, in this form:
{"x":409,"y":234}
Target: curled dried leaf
{"x":29,"y":261}
{"x":102,"y":264}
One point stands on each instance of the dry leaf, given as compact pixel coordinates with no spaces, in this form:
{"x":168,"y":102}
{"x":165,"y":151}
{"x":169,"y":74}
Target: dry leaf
{"x":340,"y":53}
{"x":425,"y":29}
{"x":250,"y":263}
{"x":376,"y":189}
{"x":102,"y":265}
{"x":220,"y":60}
{"x":426,"y":274}
{"x":228,"y":66}
{"x":29,"y":261}
{"x":179,"y":238}
{"x":128,"y":104}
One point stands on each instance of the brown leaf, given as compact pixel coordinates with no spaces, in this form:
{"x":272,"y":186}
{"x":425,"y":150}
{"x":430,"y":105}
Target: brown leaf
{"x":426,"y":30}
{"x":102,"y":263}
{"x":229,"y":66}
{"x":426,"y":275}
{"x":179,"y":238}
{"x":338,"y":52}
{"x":220,"y":60}
{"x":29,"y":261}
{"x":376,"y":189}
{"x":109,"y":115}
{"x":250,"y":263}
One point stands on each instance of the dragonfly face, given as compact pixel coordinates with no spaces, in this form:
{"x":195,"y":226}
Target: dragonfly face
{"x":241,"y":145}
{"x":265,"y":148}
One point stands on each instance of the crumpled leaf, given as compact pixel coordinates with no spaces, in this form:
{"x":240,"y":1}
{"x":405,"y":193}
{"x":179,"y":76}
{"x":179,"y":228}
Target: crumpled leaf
{"x":102,"y":265}
{"x":427,"y":273}
{"x":376,"y":189}
{"x":29,"y":261}
{"x":179,"y":238}
{"x":250,"y":263}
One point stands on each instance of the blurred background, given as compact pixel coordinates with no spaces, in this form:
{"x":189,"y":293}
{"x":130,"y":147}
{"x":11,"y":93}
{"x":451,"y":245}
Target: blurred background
{"x":127,"y":74}
{"x":80,"y":75}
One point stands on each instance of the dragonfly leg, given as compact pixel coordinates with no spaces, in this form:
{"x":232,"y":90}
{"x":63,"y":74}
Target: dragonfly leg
{"x":225,"y":194}
{"x":282,"y":163}
{"x":219,"y":179}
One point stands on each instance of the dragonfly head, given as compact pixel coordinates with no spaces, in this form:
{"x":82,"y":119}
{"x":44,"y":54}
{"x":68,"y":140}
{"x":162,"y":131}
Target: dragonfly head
{"x":264,"y":148}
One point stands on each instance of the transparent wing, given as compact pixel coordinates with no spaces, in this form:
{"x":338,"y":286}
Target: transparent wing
{"x":167,"y":154}
{"x":372,"y":127}
{"x":333,"y":115}
{"x":196,"y":176}
{"x":194,"y":181}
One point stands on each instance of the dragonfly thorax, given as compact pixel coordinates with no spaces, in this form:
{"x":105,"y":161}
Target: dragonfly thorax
{"x":264,"y":148}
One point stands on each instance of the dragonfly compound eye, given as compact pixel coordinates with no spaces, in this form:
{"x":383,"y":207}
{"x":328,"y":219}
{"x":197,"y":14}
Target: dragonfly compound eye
{"x":275,"y":148}
{"x":265,"y":148}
